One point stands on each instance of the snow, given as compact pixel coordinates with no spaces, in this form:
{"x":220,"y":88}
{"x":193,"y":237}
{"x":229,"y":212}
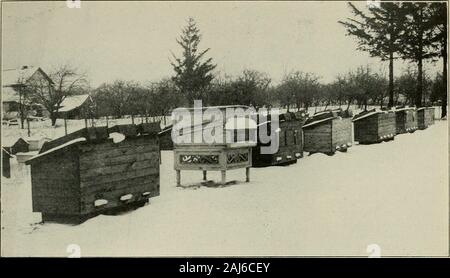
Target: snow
{"x":126,"y":197}
{"x":72,"y":102}
{"x":393,"y":194}
{"x":71,"y":142}
{"x":357,"y":118}
{"x":319,"y":121}
{"x":117,"y":137}
{"x":100,"y":202}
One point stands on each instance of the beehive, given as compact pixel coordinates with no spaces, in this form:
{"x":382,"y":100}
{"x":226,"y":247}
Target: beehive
{"x":290,"y":140}
{"x":86,"y":173}
{"x":406,"y":120}
{"x":215,"y":156}
{"x":374,"y":126}
{"x":425,"y":117}
{"x":327,"y":132}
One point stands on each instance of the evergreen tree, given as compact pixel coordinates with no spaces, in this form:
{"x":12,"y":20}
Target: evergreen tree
{"x":193,"y":75}
{"x":439,"y":20}
{"x":417,"y":40}
{"x":379,"y":33}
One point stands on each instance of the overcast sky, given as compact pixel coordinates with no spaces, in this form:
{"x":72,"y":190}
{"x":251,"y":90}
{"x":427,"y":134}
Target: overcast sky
{"x":134,"y":40}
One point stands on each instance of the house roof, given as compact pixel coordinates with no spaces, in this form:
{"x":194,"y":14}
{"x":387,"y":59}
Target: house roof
{"x":72,"y":102}
{"x":9,"y":95}
{"x":12,"y":77}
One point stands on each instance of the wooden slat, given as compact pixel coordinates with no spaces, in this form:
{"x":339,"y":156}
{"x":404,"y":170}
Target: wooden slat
{"x":119,"y":176}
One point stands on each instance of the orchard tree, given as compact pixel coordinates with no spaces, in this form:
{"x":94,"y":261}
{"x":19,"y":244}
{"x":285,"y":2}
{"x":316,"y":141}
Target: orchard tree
{"x":193,"y":72}
{"x":113,"y":99}
{"x":298,"y":88}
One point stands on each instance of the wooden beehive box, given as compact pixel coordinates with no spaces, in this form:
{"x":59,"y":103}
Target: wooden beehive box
{"x":6,"y":165}
{"x":374,"y":126}
{"x":214,"y":156}
{"x":290,"y":141}
{"x":20,"y":145}
{"x":86,"y":173}
{"x":327,"y":133}
{"x":165,"y":139}
{"x":406,"y":120}
{"x":425,"y":117}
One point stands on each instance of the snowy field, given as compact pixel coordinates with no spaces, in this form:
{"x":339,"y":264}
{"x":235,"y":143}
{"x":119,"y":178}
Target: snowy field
{"x":393,"y":194}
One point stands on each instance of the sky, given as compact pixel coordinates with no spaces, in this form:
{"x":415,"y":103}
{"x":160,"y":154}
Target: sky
{"x":134,"y":40}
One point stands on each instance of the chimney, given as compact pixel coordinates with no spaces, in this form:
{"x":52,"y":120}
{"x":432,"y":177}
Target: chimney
{"x":24,"y":67}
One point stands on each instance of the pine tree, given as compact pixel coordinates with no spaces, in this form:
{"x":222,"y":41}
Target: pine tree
{"x":417,"y":40}
{"x":378,"y":33}
{"x":439,"y":20}
{"x":193,"y":75}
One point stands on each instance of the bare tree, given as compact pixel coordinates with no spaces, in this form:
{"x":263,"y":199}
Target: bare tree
{"x":66,"y":82}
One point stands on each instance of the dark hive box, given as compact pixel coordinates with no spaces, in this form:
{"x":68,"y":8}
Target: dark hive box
{"x":290,"y":141}
{"x":85,"y":173}
{"x":327,"y":132}
{"x":374,"y":126}
{"x":425,"y":117}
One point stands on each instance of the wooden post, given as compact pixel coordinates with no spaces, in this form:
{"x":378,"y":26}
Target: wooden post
{"x":204,"y":175}
{"x":107,"y":122}
{"x":178,"y":177}
{"x":224,"y":177}
{"x":132,"y":118}
{"x":247,"y":174}
{"x":85,"y":123}
{"x":65,"y":125}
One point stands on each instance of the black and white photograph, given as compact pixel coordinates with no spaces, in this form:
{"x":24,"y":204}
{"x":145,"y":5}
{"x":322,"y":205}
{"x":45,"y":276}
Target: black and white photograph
{"x":224,"y":129}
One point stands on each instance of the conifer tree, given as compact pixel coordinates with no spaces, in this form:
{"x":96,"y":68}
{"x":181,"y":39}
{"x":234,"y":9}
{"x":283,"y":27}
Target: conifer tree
{"x":379,"y":33}
{"x":193,"y":74}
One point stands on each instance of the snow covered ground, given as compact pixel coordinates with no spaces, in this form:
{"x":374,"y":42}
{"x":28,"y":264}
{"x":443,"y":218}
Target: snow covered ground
{"x":394,"y":194}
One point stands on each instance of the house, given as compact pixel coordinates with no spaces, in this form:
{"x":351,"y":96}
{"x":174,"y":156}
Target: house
{"x":14,"y":82}
{"x":75,"y":107}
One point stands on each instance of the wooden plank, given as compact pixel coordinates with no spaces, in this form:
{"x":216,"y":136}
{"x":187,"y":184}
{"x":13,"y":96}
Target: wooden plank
{"x":88,"y":164}
{"x":107,"y":154}
{"x":118,"y":176}
{"x":88,"y":205}
{"x":99,"y":188}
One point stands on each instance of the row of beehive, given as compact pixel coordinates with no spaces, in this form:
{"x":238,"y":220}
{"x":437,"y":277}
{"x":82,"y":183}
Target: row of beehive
{"x":330,"y":131}
{"x":85,"y":173}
